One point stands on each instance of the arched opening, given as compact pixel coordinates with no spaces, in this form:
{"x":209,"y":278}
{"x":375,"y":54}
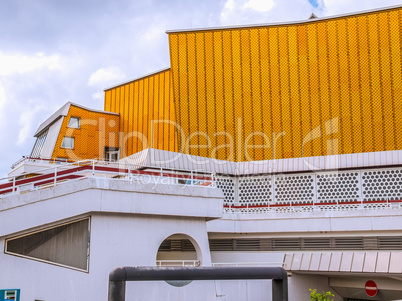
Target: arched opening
{"x":178,"y":250}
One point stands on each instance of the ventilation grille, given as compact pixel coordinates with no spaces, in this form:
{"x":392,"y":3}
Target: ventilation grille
{"x":176,"y":245}
{"x":302,"y":244}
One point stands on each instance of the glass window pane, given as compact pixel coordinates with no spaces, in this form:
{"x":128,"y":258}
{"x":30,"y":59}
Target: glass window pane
{"x":38,"y":147}
{"x":74,"y":122}
{"x":68,"y":142}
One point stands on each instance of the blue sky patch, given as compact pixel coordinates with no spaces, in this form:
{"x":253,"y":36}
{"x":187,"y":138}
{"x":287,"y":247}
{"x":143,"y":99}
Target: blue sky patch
{"x":313,"y":3}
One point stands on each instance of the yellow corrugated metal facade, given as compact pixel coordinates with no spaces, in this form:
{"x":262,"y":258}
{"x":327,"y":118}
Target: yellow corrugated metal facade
{"x":97,"y":130}
{"x":326,"y":86}
{"x":147,"y":113}
{"x":315,"y":88}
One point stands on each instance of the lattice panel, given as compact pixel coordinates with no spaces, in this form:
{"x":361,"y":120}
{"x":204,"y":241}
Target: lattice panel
{"x":255,"y":189}
{"x":228,"y":187}
{"x":332,"y":186}
{"x":332,"y":191}
{"x":378,"y":184}
{"x":295,"y":187}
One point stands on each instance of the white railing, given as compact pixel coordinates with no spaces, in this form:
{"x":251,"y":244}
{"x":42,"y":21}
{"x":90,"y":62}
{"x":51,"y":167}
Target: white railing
{"x":314,"y":206}
{"x":247,"y":264}
{"x":67,"y":172}
{"x":50,"y":177}
{"x":25,"y":159}
{"x":178,"y":263}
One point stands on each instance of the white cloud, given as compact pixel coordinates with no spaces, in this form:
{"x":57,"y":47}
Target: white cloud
{"x":26,"y":120}
{"x":155,"y":32}
{"x":334,"y":7}
{"x":17,"y":63}
{"x":2,"y":98}
{"x":260,"y":5}
{"x":104,"y":77}
{"x":97,"y":96}
{"x":241,"y":12}
{"x":229,"y":5}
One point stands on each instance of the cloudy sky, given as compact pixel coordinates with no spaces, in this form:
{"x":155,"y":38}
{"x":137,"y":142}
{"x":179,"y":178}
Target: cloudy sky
{"x":54,"y":51}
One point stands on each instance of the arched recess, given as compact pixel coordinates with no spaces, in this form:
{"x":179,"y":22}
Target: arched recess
{"x":179,"y":250}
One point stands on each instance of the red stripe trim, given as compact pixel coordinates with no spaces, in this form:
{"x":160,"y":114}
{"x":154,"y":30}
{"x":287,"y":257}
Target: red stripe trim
{"x":374,"y":202}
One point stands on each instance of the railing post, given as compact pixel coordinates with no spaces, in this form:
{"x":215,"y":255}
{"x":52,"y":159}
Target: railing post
{"x":93,"y":167}
{"x":192,"y":177}
{"x":14,"y":185}
{"x":55,"y":176}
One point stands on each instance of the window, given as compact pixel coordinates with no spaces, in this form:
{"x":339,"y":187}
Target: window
{"x":66,"y":245}
{"x":68,"y":142}
{"x":74,"y":122}
{"x":38,"y":147}
{"x":60,"y":160}
{"x":112,"y":154}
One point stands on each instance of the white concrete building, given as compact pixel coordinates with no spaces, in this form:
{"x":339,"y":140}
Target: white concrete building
{"x":293,"y":158}
{"x":62,"y":238}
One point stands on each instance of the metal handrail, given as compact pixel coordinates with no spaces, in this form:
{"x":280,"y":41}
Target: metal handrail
{"x":52,"y":176}
{"x":258,"y":264}
{"x":313,"y":203}
{"x":52,"y":160}
{"x":180,"y":263}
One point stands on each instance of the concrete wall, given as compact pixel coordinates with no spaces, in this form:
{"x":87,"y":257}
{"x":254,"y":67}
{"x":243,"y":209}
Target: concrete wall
{"x":124,"y":240}
{"x":116,"y":240}
{"x":129,"y":221}
{"x":299,"y":286}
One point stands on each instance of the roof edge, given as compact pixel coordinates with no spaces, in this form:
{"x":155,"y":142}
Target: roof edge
{"x":93,"y":110}
{"x":63,"y":111}
{"x":137,"y":78}
{"x":285,"y":23}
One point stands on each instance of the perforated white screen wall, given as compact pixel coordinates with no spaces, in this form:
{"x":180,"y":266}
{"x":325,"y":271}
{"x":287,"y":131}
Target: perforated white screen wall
{"x":255,"y":189}
{"x":294,"y":187}
{"x":382,"y":183}
{"x":227,"y":184}
{"x":346,"y":187}
{"x":342,"y":185}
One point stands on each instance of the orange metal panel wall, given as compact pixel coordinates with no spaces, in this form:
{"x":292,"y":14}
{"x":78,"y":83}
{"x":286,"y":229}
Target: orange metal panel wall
{"x":96,"y":131}
{"x":147,"y":113}
{"x":317,"y":88}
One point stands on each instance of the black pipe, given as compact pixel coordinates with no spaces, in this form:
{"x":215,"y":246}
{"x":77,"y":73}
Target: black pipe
{"x":119,"y":276}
